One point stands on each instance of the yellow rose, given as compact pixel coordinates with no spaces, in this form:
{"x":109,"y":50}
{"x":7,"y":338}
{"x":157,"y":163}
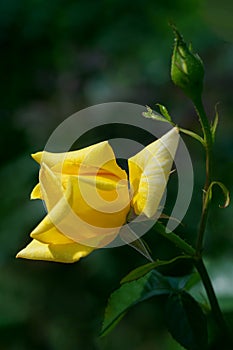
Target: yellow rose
{"x":88,"y":196}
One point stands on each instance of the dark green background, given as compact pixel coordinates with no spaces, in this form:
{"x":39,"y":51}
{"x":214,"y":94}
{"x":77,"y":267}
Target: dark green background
{"x":58,"y":57}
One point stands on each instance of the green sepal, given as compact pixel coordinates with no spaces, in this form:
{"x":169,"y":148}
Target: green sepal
{"x":224,"y":190}
{"x":214,"y":124}
{"x":193,"y":135}
{"x":152,"y":115}
{"x":164,"y":112}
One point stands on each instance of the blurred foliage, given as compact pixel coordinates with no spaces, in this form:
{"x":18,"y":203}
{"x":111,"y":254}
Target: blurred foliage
{"x":58,"y":57}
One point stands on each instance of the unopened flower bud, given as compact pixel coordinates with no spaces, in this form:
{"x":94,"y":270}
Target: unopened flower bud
{"x":187,"y":70}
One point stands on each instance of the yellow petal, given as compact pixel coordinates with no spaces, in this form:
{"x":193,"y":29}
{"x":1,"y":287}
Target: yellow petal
{"x":50,"y":186}
{"x":47,"y":226}
{"x":71,"y":219}
{"x":96,"y":216}
{"x":65,"y":253}
{"x":149,"y":171}
{"x":98,"y":156}
{"x":88,"y":208}
{"x":36,"y":192}
{"x":102,"y":209}
{"x":103,"y":183}
{"x":50,"y":236}
{"x":92,"y":223}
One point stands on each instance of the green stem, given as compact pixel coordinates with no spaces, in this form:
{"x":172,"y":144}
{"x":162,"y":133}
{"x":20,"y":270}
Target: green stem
{"x":208,"y":147}
{"x":202,"y":225}
{"x":179,"y":242}
{"x":216,"y":311}
{"x":208,"y":140}
{"x":193,"y":135}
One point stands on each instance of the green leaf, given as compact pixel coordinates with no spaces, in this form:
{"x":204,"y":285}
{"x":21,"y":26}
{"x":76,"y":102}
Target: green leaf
{"x":142,"y":270}
{"x":134,"y":292}
{"x":164,"y":112}
{"x":186,"y":321}
{"x":193,"y":280}
{"x":180,"y":283}
{"x":130,"y":294}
